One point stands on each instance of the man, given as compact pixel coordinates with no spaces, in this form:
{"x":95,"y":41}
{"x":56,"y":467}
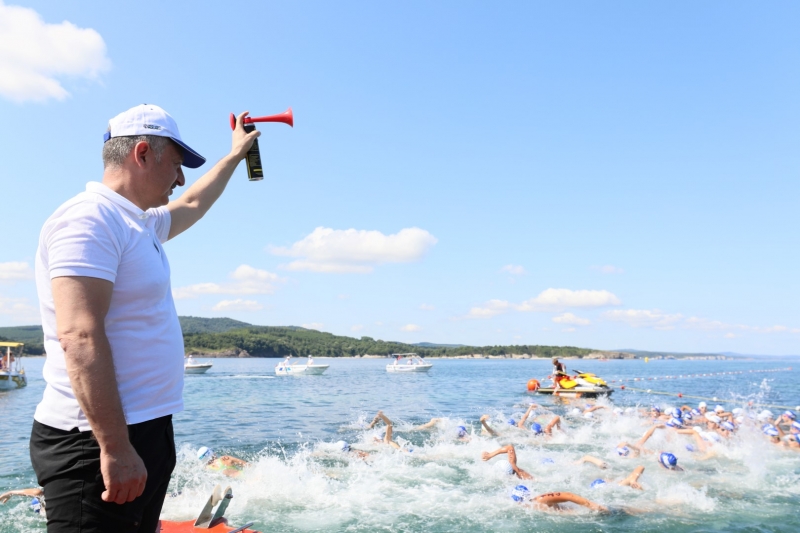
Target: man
{"x":102,"y":444}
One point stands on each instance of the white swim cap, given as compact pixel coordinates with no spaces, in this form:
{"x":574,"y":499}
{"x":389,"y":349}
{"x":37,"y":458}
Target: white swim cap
{"x":766,"y":413}
{"x":618,"y":411}
{"x":462,"y":432}
{"x":719,"y":409}
{"x":623,"y":451}
{"x":588,"y":415}
{"x":520,"y":493}
{"x":505,"y":467}
{"x":342,"y":445}
{"x":738,"y":411}
{"x":597,"y":483}
{"x":204,"y":453}
{"x":701,"y":405}
{"x":575,"y":411}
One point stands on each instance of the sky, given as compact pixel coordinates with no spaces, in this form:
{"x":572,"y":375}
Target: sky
{"x":597,"y":174}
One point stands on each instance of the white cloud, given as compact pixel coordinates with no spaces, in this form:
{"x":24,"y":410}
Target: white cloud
{"x":246,"y":280}
{"x":569,"y":318}
{"x":357,"y":327}
{"x":314,"y":325}
{"x":355,"y":251}
{"x":426,"y":307}
{"x":550,"y":300}
{"x":608,"y":269}
{"x":15,"y":270}
{"x":19,"y":309}
{"x":411,"y":327}
{"x":644,"y":318}
{"x":238,"y":305}
{"x":35,"y":55}
{"x":569,"y":330}
{"x":514,"y":270}
{"x":556,"y":299}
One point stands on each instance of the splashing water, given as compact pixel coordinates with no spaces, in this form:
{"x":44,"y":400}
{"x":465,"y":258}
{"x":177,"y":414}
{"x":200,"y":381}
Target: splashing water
{"x":299,"y":480}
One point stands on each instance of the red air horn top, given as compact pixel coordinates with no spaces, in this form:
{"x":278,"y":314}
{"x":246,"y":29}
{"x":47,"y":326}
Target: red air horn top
{"x":286,"y":117}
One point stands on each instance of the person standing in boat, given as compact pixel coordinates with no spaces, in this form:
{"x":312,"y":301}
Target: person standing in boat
{"x":102,"y":443}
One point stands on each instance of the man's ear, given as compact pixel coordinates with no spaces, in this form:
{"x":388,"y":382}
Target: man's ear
{"x":141,"y":153}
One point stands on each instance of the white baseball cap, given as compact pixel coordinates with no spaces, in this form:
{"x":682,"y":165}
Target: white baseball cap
{"x":148,"y":119}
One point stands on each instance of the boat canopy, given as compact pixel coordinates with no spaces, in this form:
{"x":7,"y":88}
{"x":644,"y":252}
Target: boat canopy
{"x":11,"y":344}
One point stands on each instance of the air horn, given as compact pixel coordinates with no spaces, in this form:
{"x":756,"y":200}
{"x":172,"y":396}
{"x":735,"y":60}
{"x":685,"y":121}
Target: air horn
{"x":254,"y":169}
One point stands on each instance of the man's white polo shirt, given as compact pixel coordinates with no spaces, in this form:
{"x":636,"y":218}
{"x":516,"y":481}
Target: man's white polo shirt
{"x":101,"y":234}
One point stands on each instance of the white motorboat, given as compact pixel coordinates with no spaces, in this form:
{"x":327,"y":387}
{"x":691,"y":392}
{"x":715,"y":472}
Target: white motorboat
{"x":190,"y":366}
{"x":12,"y":375}
{"x":408,"y":362}
{"x":287,"y":368}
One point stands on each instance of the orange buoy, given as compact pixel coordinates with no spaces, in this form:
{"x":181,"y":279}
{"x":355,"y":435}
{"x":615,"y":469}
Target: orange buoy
{"x":533,"y":385}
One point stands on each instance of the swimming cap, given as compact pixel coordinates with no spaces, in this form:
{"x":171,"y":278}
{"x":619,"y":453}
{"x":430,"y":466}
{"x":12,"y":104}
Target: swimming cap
{"x":656,"y":409}
{"x":536,"y":427}
{"x":719,"y":409}
{"x":690,"y":447}
{"x":727,"y":425}
{"x":738,"y":411}
{"x":675,"y":412}
{"x":796,"y":425}
{"x":698,"y":429}
{"x":204,"y":453}
{"x":710,"y":436}
{"x":597,"y":483}
{"x":511,"y":422}
{"x":696,"y":412}
{"x":342,"y":445}
{"x":667,"y":460}
{"x":575,"y":411}
{"x":623,"y":451}
{"x":505,"y":466}
{"x":771,"y":431}
{"x":462,"y":431}
{"x":701,"y":405}
{"x":629,"y":410}
{"x":675,"y":423}
{"x":548,"y":461}
{"x":618,"y":411}
{"x":687,"y":415}
{"x":520,"y":493}
{"x":588,"y":415}
{"x":790,"y":415}
{"x":36,"y":505}
{"x":713,"y":418}
{"x":766,"y":413}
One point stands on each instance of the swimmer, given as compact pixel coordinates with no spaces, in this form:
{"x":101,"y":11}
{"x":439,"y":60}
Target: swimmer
{"x":346,"y":448}
{"x":486,"y":427}
{"x":599,"y":463}
{"x":552,"y":501}
{"x":387,"y":436}
{"x":786,"y":418}
{"x":631,"y":480}
{"x":669,"y":461}
{"x":512,"y":460}
{"x":625,"y":449}
{"x":536,"y":427}
{"x":461,"y":431}
{"x":36,"y":494}
{"x":228,"y":465}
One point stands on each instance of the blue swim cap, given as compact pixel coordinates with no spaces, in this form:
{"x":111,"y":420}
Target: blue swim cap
{"x":771,"y":431}
{"x":696,"y":412}
{"x":520,"y":493}
{"x":548,"y":461}
{"x":687,"y":415}
{"x":342,"y":445}
{"x":536,"y":427}
{"x":462,"y":431}
{"x":675,"y":423}
{"x":667,"y":460}
{"x":677,"y":413}
{"x":36,"y":505}
{"x":597,"y":483}
{"x":505,"y":467}
{"x":790,"y":415}
{"x":656,"y":409}
{"x":623,"y":451}
{"x":512,"y":422}
{"x":690,"y":447}
{"x":796,"y":425}
{"x":204,"y":453}
{"x":727,"y":425}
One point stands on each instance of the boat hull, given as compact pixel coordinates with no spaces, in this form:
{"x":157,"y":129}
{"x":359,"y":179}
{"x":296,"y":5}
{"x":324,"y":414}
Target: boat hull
{"x":577,"y":392}
{"x":12,"y":380}
{"x":297,"y":370}
{"x":197,"y":369}
{"x":402,"y":369}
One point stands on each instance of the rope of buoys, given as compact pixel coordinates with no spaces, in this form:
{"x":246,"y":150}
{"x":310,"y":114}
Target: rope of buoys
{"x":704,"y":375}
{"x":704,"y":398}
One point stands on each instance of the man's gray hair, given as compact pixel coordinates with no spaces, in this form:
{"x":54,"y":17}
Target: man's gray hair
{"x":116,"y":149}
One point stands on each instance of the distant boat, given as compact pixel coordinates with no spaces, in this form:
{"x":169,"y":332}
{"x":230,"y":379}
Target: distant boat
{"x":12,"y":375}
{"x":190,"y":366}
{"x":287,"y":368}
{"x":408,"y":362}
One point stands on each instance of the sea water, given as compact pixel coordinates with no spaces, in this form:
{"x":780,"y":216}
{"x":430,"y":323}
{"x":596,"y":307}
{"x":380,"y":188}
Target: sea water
{"x":298,"y":480}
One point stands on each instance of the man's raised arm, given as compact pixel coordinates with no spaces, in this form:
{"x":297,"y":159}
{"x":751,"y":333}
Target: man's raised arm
{"x":81,"y":305}
{"x":199,"y":198}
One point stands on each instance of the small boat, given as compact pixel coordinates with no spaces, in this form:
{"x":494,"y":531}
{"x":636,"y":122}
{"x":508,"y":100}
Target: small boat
{"x":12,"y":375}
{"x":582,"y":385}
{"x":408,"y":362}
{"x":190,"y":366}
{"x":287,"y":368}
{"x":211,"y":518}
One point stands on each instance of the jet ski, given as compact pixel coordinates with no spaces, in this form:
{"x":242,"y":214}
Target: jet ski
{"x":581,"y":385}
